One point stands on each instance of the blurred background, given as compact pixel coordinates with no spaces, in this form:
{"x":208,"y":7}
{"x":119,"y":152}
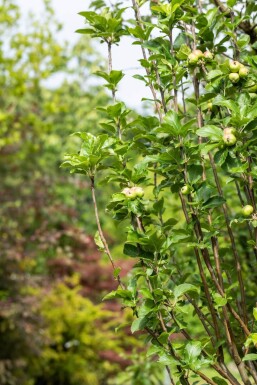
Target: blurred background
{"x":54,"y":327}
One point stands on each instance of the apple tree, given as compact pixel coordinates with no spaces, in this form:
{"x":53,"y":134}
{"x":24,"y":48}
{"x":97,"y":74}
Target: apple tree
{"x":185,"y":178}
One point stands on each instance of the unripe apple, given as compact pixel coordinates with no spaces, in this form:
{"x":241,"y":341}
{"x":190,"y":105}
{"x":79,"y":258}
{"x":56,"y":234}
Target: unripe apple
{"x":192,"y":59}
{"x":133,"y":192}
{"x":230,"y":130}
{"x":129,"y":193}
{"x":229,"y":139}
{"x":234,"y":78}
{"x":138,"y":190}
{"x":247,"y":210}
{"x":243,"y":72}
{"x":234,"y":66}
{"x":185,"y":190}
{"x":209,"y":106}
{"x":208,"y":56}
{"x":198,"y":53}
{"x":126,"y":191}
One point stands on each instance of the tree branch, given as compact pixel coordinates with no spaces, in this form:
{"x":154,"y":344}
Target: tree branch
{"x":245,"y":26}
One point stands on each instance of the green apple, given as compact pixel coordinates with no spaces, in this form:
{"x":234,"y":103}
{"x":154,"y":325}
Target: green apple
{"x":209,"y":106}
{"x":208,"y":56}
{"x":229,"y":139}
{"x":129,"y":193}
{"x":195,"y":56}
{"x":192,"y":59}
{"x":138,"y":190}
{"x":247,"y":210}
{"x":185,"y":190}
{"x":198,"y":53}
{"x":234,"y":66}
{"x":234,"y":78}
{"x":230,"y":130}
{"x":133,"y":192}
{"x":243,"y":72}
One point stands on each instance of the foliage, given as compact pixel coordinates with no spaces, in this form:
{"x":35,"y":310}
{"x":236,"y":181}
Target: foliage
{"x":78,"y":333}
{"x":45,"y":93}
{"x":193,"y":233}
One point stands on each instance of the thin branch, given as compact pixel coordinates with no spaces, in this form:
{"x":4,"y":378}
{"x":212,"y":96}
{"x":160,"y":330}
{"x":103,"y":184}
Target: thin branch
{"x":245,"y":25}
{"x":140,"y":24}
{"x":101,"y":234}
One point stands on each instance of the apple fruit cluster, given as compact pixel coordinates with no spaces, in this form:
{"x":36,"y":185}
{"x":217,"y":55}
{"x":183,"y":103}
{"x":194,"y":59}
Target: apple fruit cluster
{"x":197,"y":56}
{"x":237,"y":71}
{"x":133,"y":192}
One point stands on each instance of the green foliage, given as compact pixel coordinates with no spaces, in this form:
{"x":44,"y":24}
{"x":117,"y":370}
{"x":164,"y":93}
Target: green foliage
{"x":192,"y":289}
{"x":45,"y":92}
{"x":77,"y":333}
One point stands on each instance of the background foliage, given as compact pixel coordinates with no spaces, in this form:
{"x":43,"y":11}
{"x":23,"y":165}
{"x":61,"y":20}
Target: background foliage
{"x":52,"y":330}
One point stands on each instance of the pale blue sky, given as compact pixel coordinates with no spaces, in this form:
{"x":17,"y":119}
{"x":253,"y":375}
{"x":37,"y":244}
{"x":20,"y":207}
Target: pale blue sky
{"x":125,"y":56}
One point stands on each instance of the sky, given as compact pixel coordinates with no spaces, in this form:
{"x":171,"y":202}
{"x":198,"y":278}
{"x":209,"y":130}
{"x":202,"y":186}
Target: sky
{"x":125,"y":56}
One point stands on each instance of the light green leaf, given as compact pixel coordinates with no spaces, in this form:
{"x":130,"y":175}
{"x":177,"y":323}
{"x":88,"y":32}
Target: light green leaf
{"x":250,"y":357}
{"x":219,"y":381}
{"x":219,"y":300}
{"x":214,"y":202}
{"x":214,"y":133}
{"x":138,"y":324}
{"x":184,"y":288}
{"x":214,"y":74}
{"x":120,"y":293}
{"x":116,"y":272}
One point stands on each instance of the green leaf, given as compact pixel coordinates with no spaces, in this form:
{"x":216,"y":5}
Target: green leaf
{"x":163,"y":338}
{"x":219,"y":381}
{"x":214,"y":133}
{"x":119,"y":197}
{"x":243,"y":41}
{"x":213,"y":202}
{"x":255,"y":313}
{"x":116,"y":76}
{"x":250,"y":357}
{"x":214,"y":74}
{"x":252,"y":339}
{"x":116,"y":272}
{"x":172,"y":121}
{"x":180,"y":40}
{"x":166,"y":359}
{"x":154,"y":349}
{"x":85,"y":31}
{"x":224,"y":102}
{"x":183,"y":52}
{"x":98,"y":241}
{"x":219,"y":300}
{"x":231,"y":3}
{"x":179,"y":235}
{"x":184,"y":288}
{"x":204,"y":98}
{"x":146,"y":293}
{"x":194,"y":173}
{"x":192,"y":352}
{"x":124,"y":294}
{"x":138,"y":324}
{"x":221,"y":156}
{"x":131,"y":250}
